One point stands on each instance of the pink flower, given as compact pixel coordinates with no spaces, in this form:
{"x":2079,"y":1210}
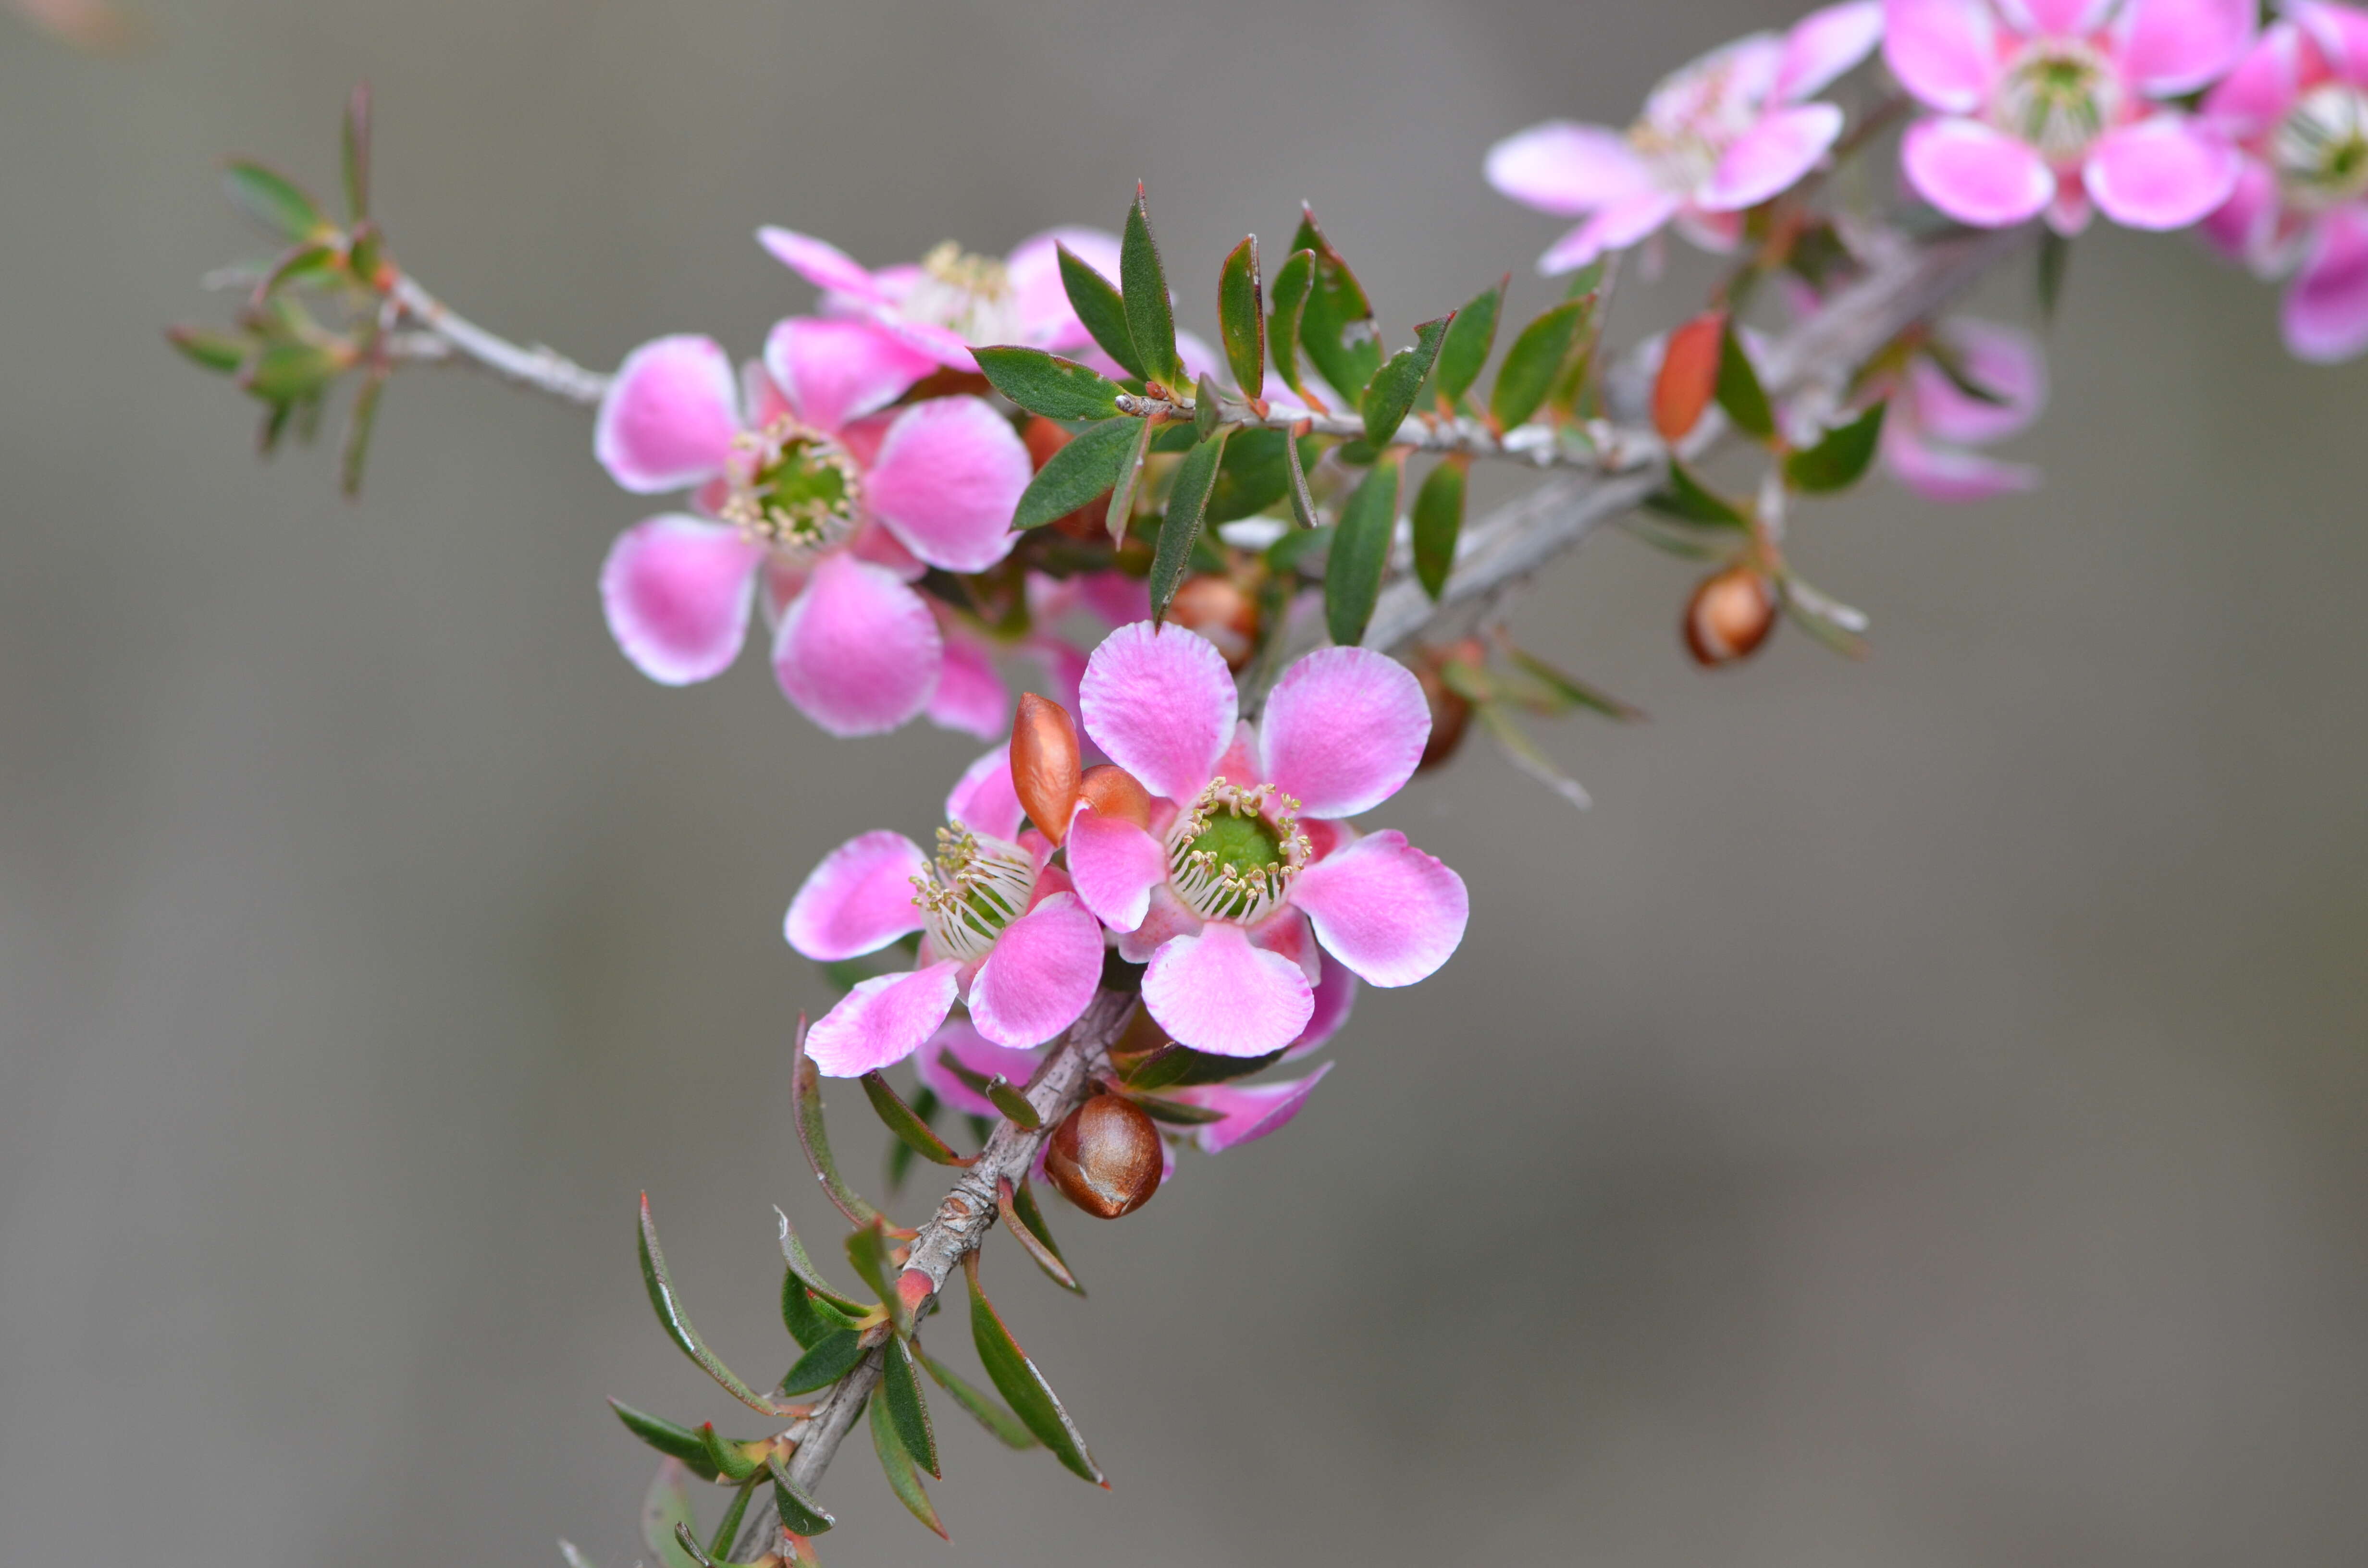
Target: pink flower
{"x":1001,"y":933}
{"x":1250,"y":1110}
{"x":836,"y":507}
{"x":1932,"y":420}
{"x":2047,"y":106}
{"x":2298,"y":108}
{"x":960,"y":1039}
{"x":1720,"y":135}
{"x":1226,"y":890}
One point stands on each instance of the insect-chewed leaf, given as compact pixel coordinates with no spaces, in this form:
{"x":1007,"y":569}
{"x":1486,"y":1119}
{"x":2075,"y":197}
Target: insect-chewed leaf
{"x":1017,"y":1378}
{"x":665,"y":1505}
{"x":1337,"y":329}
{"x":1084,"y":468}
{"x":1739,"y":392}
{"x":988,"y":1411}
{"x":669,"y":1306}
{"x":908,"y":1407}
{"x":1439,"y":523}
{"x":1686,"y":498}
{"x":1187,"y":504}
{"x":1396,"y":383}
{"x":1361,"y":550}
{"x":1143,"y":283}
{"x":1470,"y":335}
{"x":274,"y":202}
{"x":901,"y":1120}
{"x":1026,"y":1230}
{"x":903,"y":1479}
{"x":796,"y":1506}
{"x":824,"y":1364}
{"x":1241,"y":317}
{"x":1838,"y":461}
{"x":1294,"y":281}
{"x":1097,"y":302}
{"x":1048,"y":384}
{"x":1689,"y":374}
{"x":1528,"y":372}
{"x":805,"y":1104}
{"x":675,"y":1442}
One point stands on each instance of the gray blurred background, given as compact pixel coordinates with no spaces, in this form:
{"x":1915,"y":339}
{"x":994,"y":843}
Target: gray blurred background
{"x":1915,"y":1119}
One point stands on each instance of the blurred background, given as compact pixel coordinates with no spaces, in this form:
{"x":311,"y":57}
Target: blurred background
{"x":1916,"y":1117}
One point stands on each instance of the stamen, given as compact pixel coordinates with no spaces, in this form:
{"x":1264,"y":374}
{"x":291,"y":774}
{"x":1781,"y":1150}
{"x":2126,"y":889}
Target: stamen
{"x":2059,"y":97}
{"x":795,"y":488}
{"x":967,"y":294}
{"x":981,"y":885}
{"x":1212,"y":879}
{"x":2320,"y":150}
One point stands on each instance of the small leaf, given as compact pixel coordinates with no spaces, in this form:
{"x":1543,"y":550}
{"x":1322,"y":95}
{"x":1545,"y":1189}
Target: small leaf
{"x":1528,"y":372}
{"x":1337,"y":329}
{"x":1689,"y":375}
{"x":1007,"y":1099}
{"x":908,"y":1407}
{"x":1083,"y":469}
{"x":805,"y":1106}
{"x":825,"y":1363}
{"x":726,"y":1457}
{"x":1195,"y":477}
{"x":1361,"y":550}
{"x":1031,"y":1240}
{"x":720,"y":1543}
{"x":285,"y":372}
{"x":1208,"y":406}
{"x":365,"y":253}
{"x":1523,"y":753}
{"x":798,"y":1511}
{"x":793,"y":1253}
{"x":897,"y":1465}
{"x":1142,"y":284}
{"x":666,"y":1506}
{"x":1097,"y":302}
{"x":1686,"y":498}
{"x":809,"y":1319}
{"x":1839,"y":460}
{"x":358,"y":424}
{"x":675,"y":1442}
{"x":689,"y":1545}
{"x":866,"y":1250}
{"x":902,"y":1122}
{"x":1292,"y":285}
{"x":1439,"y":523}
{"x":1241,"y":317}
{"x":1303,"y":505}
{"x":1469,"y":339}
{"x":217,"y":351}
{"x":669,"y":1306}
{"x":355,"y":148}
{"x":989,"y":1412}
{"x":1570,"y":690}
{"x":572,"y":1555}
{"x":1176,"y":1113}
{"x":274,"y":202}
{"x":1017,"y":1378}
{"x":1177,"y":1066}
{"x":1253,"y":476}
{"x":1047,"y":384}
{"x":1396,"y":383}
{"x":1739,"y":392}
{"x":1130,"y":479}
{"x":2055,"y":256}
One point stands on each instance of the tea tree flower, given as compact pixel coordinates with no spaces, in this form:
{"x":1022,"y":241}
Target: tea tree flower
{"x":1934,"y":421}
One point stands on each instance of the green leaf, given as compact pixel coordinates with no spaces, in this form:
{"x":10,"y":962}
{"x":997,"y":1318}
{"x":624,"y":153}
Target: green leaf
{"x":355,"y":146}
{"x":359,"y":422}
{"x":1099,"y":305}
{"x":1208,"y":404}
{"x":905,"y":1125}
{"x":1176,"y":1113}
{"x":1439,"y":523}
{"x":990,"y":1412}
{"x":1085,"y":467}
{"x":669,"y":1306}
{"x":1530,"y":364}
{"x":903,"y":1479}
{"x":1303,"y":505}
{"x":1013,"y":1104}
{"x":1570,"y":690}
{"x":908,"y":1407}
{"x":1187,"y":504}
{"x":217,"y":351}
{"x":1130,"y":479}
{"x":1047,"y":384}
{"x":665,"y":1507}
{"x":274,"y":421}
{"x":689,"y":1542}
{"x":1175,"y":1066}
{"x":1305,"y":550}
{"x":809,"y":1319}
{"x":675,"y":1442}
{"x":1396,"y":383}
{"x":1241,"y":317}
{"x":1470,"y":335}
{"x":814,"y":1137}
{"x":284,"y":372}
{"x":729,"y":1526}
{"x":1253,"y":476}
{"x":796,"y":1506}
{"x":1031,"y":1240}
{"x":1738,"y":390}
{"x":1523,"y":753}
{"x":365,"y":253}
{"x":1838,"y":461}
{"x":1015,"y":1378}
{"x":793,"y":1253}
{"x":730,"y":1462}
{"x":1142,"y":284}
{"x":2055,"y":256}
{"x":274,"y":202}
{"x":1686,"y":498}
{"x":824,"y":1364}
{"x":866,"y":1250}
{"x":1338,"y":328}
{"x":1292,"y":285}
{"x":1361,"y":550}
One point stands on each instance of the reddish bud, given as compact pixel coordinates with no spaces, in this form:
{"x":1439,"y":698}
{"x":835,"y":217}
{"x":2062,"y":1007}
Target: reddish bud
{"x":1730,"y":614}
{"x":1114,"y":792}
{"x":1689,"y":375}
{"x":1217,"y":609}
{"x":1106,"y":1157}
{"x":1044,"y":764}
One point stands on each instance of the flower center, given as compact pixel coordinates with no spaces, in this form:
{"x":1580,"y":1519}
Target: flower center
{"x":2320,"y":149}
{"x":2059,"y":97}
{"x":981,"y":885}
{"x":967,"y":294}
{"x":1227,"y":861}
{"x":800,"y":487}
{"x":1689,"y":119}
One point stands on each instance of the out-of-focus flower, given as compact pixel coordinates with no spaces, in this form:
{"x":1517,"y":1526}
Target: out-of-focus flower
{"x":2051,"y":106}
{"x":1250,"y":1110}
{"x":2297,"y":108}
{"x":834,"y":504}
{"x":1934,"y":419}
{"x":1720,"y":135}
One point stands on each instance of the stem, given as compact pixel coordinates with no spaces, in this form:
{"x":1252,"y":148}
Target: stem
{"x":1534,"y":444}
{"x":544,"y":369}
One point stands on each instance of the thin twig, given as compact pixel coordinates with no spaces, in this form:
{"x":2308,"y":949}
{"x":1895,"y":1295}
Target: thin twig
{"x":1532,"y":445}
{"x":544,"y":369}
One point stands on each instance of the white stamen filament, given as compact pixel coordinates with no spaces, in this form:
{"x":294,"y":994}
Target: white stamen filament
{"x":981,"y":885}
{"x":1225,"y":891}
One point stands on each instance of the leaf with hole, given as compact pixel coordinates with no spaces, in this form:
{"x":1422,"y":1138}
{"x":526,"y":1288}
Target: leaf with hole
{"x":669,"y":1306}
{"x":1241,"y":317}
{"x":1015,"y":1378}
{"x":1099,"y":305}
{"x":1531,"y":363}
{"x":1048,"y":384}
{"x":1393,"y":386}
{"x":1361,"y":552}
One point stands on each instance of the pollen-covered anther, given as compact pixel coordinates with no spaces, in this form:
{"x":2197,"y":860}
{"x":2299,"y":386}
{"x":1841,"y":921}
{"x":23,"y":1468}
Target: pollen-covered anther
{"x":792,"y":486}
{"x":1227,"y":860}
{"x":980,"y":885}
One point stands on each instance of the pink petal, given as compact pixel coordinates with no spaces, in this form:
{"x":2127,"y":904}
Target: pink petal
{"x":1769,"y":157}
{"x":819,"y":262}
{"x":1384,"y":908}
{"x":2165,"y":172}
{"x":2341,"y":32}
{"x":1034,"y":272}
{"x":859,"y":900}
{"x":947,"y":480}
{"x":1344,"y":728}
{"x":2171,"y":47}
{"x":1167,"y":919}
{"x":970,"y":698}
{"x":832,"y":369}
{"x":2244,"y":226}
{"x":1825,"y":44}
{"x":1335,"y":995}
{"x":1567,"y":169}
{"x":1216,"y":993}
{"x":2325,"y":315}
{"x":1975,"y":175}
{"x":2256,"y":94}
{"x":1252,"y":1110}
{"x":973,"y":1051}
{"x":857,"y":652}
{"x":677,"y":592}
{"x":667,"y":419}
{"x":1115,"y":597}
{"x":2001,"y":359}
{"x":941,"y":344}
{"x":1944,"y":52}
{"x":2069,"y":212}
{"x":1615,"y":227}
{"x":882,"y":1021}
{"x":2056,"y":18}
{"x":1945,"y":473}
{"x":1041,"y":973}
{"x":984,"y":801}
{"x":1115,"y":865}
{"x":1161,"y":705}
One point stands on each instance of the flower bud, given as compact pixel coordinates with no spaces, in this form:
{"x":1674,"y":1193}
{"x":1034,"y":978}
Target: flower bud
{"x":1106,"y":1157}
{"x":1689,"y":374}
{"x":1730,"y":615}
{"x":1114,"y":792}
{"x":1219,"y":610}
{"x":1044,"y":764}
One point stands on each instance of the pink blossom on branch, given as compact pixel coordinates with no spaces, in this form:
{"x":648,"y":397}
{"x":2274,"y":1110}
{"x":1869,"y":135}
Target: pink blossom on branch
{"x":1934,"y":422}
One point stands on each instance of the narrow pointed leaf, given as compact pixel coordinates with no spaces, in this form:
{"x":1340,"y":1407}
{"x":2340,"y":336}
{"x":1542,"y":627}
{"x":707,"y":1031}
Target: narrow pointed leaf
{"x":1523,"y":753}
{"x":359,"y":423}
{"x":988,"y":1411}
{"x":1036,"y":1245}
{"x":1130,"y":479}
{"x":720,"y":1544}
{"x":1292,"y":284}
{"x":1187,"y":503}
{"x":1143,"y":283}
{"x":689,"y":1544}
{"x":1208,"y":406}
{"x":355,"y":148}
{"x":1439,"y":523}
{"x":665,"y":1506}
{"x":1097,"y":302}
{"x":1083,"y":469}
{"x":1017,"y":1378}
{"x":216,"y":351}
{"x":1470,"y":335}
{"x":809,"y":1319}
{"x":1571,"y":690}
{"x":793,"y":1253}
{"x":1337,"y":329}
{"x":1006,"y":1099}
{"x":902,"y":1122}
{"x":1739,"y":392}
{"x":274,"y":202}
{"x":825,"y":1363}
{"x":1048,"y":384}
{"x":866,"y":1250}
{"x":1531,"y":363}
{"x":1303,"y":505}
{"x":675,"y":1442}
{"x":908,"y":1407}
{"x":669,"y":1306}
{"x":1686,"y":498}
{"x":814,"y":1137}
{"x":724,"y":1455}
{"x":903,"y":1479}
{"x":1253,"y":476}
{"x":1361,"y":550}
{"x":1839,"y":460}
{"x":1241,"y":317}
{"x":1176,"y":1113}
{"x":1396,"y":383}
{"x":800,"y":1513}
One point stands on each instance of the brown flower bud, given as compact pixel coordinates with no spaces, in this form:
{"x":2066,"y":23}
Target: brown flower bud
{"x":1106,"y":1157}
{"x":1689,"y":374}
{"x":1114,"y":792}
{"x":1731,"y":613}
{"x":1217,"y":609}
{"x":1044,"y":764}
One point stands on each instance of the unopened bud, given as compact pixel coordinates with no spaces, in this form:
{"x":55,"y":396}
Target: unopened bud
{"x":1106,"y":1157}
{"x":1219,"y":610}
{"x":1730,"y":615}
{"x":1112,"y":792}
{"x":1689,"y":374}
{"x":1044,"y":764}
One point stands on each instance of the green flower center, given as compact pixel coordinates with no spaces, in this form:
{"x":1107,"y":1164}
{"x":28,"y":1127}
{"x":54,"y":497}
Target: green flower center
{"x":2059,"y":97}
{"x":1239,"y":843}
{"x":1226,"y":860}
{"x":2320,"y":149}
{"x":801,"y":488}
